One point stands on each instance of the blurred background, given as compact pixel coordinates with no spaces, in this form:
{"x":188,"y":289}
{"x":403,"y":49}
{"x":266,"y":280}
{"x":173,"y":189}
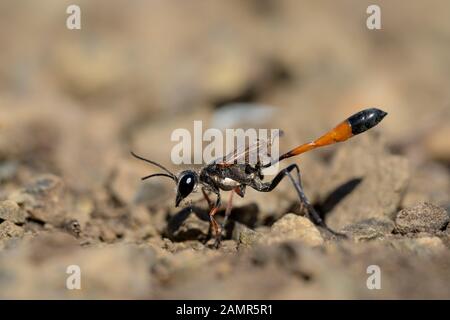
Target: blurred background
{"x":73,"y":103}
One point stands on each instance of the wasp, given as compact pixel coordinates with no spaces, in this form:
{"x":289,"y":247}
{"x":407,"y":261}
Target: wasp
{"x":235,"y":173}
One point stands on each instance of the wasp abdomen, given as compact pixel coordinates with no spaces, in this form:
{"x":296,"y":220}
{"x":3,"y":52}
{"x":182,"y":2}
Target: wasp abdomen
{"x":365,"y":119}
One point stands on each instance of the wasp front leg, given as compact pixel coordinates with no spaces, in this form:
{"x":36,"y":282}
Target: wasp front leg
{"x":207,"y":198}
{"x":214,"y":227}
{"x":228,"y":208}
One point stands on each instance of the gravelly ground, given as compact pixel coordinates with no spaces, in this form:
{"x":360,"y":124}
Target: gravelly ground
{"x":74,"y":103}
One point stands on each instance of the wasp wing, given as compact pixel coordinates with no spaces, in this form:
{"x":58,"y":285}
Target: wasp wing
{"x":257,"y":152}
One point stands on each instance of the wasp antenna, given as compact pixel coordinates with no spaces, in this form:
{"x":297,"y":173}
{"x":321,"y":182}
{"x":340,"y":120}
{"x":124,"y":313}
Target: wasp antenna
{"x":158,"y":175}
{"x":155,"y":164}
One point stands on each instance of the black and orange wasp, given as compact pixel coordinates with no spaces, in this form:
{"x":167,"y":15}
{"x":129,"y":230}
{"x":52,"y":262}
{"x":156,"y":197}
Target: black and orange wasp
{"x":235,"y":172}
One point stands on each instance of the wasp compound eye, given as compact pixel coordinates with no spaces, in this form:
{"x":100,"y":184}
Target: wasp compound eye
{"x":365,"y":119}
{"x":186,"y":184}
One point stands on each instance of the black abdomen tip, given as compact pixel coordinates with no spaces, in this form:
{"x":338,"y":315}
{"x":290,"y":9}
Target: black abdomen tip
{"x":366,"y":119}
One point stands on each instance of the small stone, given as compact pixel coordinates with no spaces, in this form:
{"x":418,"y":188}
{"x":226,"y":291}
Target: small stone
{"x":369,"y":229}
{"x":107,"y":234}
{"x":10,"y":210}
{"x":10,"y":230}
{"x":226,"y":246}
{"x":245,"y":236}
{"x":73,"y":227}
{"x":424,"y":217}
{"x":182,"y":228}
{"x":43,"y":199}
{"x":293,"y":227}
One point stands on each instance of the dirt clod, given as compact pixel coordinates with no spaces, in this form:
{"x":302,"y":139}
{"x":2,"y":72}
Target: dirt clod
{"x":43,"y":199}
{"x":370,"y":229}
{"x":293,"y":227}
{"x":10,"y":230}
{"x":10,"y":210}
{"x":424,"y":217}
{"x":187,"y":226}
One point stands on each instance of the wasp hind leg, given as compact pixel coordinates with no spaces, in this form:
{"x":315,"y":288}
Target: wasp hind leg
{"x":311,"y":212}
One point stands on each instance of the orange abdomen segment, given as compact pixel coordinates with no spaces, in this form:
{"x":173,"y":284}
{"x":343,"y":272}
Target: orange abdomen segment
{"x":356,"y":124}
{"x":341,"y":133}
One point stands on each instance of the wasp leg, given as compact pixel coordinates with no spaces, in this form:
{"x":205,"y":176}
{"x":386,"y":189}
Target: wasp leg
{"x":210,"y":207}
{"x":225,"y":220}
{"x":217,"y":230}
{"x":311,"y":212}
{"x":228,"y":209}
{"x":207,"y":198}
{"x":214,"y":225}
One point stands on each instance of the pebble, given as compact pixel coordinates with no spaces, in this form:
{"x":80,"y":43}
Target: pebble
{"x":10,"y":230}
{"x":10,"y":211}
{"x":369,"y":229}
{"x":293,"y":227}
{"x":182,"y":228}
{"x":42,"y":199}
{"x":424,"y":217}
